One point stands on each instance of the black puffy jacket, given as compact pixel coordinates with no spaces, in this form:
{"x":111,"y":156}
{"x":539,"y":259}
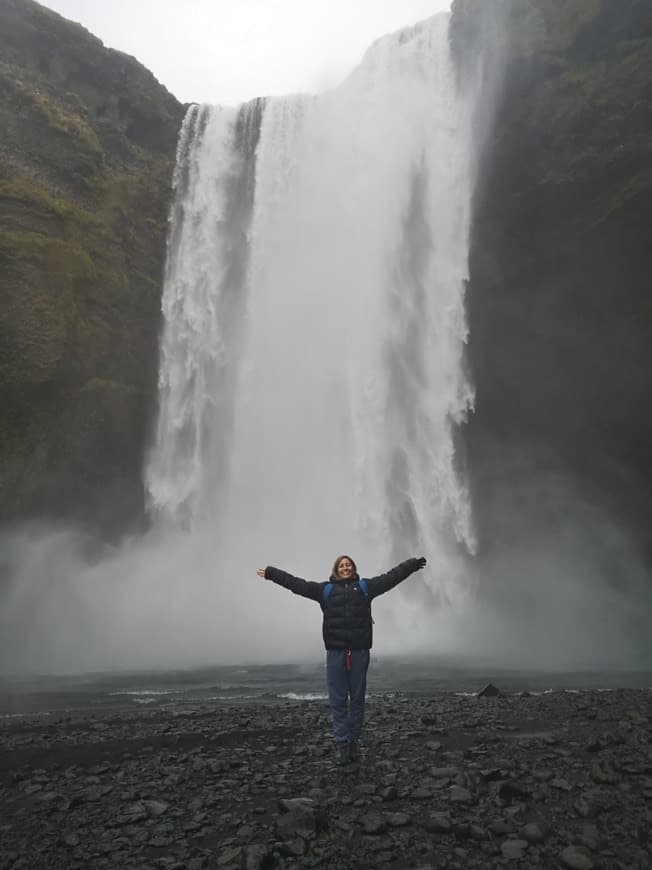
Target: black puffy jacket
{"x":347,"y":610}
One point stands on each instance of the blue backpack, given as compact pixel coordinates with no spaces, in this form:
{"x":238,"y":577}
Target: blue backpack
{"x":328,"y":588}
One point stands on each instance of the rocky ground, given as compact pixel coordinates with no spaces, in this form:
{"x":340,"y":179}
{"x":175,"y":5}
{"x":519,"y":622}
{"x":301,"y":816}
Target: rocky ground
{"x":559,"y":780}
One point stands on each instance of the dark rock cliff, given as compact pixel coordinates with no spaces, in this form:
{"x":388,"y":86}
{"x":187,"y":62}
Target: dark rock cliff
{"x":559,"y":301}
{"x":86,"y":159}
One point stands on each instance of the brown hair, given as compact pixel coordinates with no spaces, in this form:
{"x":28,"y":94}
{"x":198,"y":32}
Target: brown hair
{"x":336,"y":564}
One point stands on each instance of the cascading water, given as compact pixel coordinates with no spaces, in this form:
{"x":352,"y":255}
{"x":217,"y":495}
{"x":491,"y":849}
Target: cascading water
{"x":203,"y":307}
{"x":312,"y":355}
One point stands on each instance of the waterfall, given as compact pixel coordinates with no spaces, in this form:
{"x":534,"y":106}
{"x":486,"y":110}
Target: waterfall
{"x":311,"y":382}
{"x":311,"y":373}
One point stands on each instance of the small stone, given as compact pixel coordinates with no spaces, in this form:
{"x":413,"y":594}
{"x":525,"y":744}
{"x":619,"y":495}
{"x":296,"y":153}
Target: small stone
{"x":596,"y":744}
{"x":134,"y":813}
{"x":583,"y":808}
{"x":604,"y":773}
{"x":297,"y":847}
{"x":389,"y":793}
{"x":500,"y":828}
{"x":287,"y":805}
{"x":373,"y":823}
{"x":229,"y":856}
{"x":457,"y":794}
{"x":513,"y":849}
{"x":533,"y":833}
{"x":192,"y":827}
{"x":589,"y":837}
{"x":510,"y":791}
{"x":255,"y":856}
{"x":489,"y":691}
{"x":397,"y":820}
{"x":299,"y":822}
{"x":543,"y":775}
{"x":491,"y":774}
{"x":155,"y":808}
{"x":438,"y":823}
{"x":443,"y":772}
{"x":576,"y":859}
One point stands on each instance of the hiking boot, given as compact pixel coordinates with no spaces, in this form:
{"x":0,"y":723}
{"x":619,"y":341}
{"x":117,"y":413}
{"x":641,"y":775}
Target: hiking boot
{"x":343,"y":754}
{"x":354,"y":751}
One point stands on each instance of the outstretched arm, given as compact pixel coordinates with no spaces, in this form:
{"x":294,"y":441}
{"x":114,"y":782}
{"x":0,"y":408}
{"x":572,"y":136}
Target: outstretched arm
{"x":306,"y":588}
{"x":384,"y":582}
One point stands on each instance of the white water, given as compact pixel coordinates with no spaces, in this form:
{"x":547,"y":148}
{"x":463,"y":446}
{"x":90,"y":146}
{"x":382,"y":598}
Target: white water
{"x":307,"y":405}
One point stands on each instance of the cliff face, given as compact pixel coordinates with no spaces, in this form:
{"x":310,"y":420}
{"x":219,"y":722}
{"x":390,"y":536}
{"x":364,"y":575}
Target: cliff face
{"x":86,"y":158}
{"x":559,"y":300}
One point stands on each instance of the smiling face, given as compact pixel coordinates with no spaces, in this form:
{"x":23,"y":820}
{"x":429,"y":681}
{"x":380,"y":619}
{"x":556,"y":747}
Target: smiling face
{"x":344,"y":568}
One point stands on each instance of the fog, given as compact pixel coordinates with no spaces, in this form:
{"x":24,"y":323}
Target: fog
{"x":568,"y":598}
{"x":225,"y":52}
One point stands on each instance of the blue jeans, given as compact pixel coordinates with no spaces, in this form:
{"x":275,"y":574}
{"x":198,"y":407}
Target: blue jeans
{"x":346,"y":692}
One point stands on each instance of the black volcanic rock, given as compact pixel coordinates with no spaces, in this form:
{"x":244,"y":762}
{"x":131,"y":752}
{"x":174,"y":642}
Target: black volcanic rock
{"x":489,"y":691}
{"x":179,"y":786}
{"x":86,"y":158}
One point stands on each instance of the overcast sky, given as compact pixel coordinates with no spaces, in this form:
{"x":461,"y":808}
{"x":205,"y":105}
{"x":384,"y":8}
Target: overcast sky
{"x":227,"y":51}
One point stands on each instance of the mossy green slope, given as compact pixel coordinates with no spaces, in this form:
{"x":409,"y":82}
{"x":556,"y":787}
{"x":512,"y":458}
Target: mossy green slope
{"x":86,"y":160}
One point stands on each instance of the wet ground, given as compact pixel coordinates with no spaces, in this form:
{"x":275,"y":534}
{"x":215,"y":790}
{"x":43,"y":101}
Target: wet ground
{"x":446,"y":781}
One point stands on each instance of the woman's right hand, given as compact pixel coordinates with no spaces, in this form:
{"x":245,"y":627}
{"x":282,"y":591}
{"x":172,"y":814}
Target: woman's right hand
{"x":260,"y":572}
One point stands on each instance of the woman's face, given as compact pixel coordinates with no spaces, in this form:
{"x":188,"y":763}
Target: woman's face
{"x":345,"y":569}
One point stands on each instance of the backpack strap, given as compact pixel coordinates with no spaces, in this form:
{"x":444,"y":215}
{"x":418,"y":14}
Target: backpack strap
{"x":364,"y":587}
{"x":326,"y":591}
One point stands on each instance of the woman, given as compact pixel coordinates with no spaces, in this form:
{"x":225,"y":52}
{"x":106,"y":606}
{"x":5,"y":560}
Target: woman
{"x":345,"y":601}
